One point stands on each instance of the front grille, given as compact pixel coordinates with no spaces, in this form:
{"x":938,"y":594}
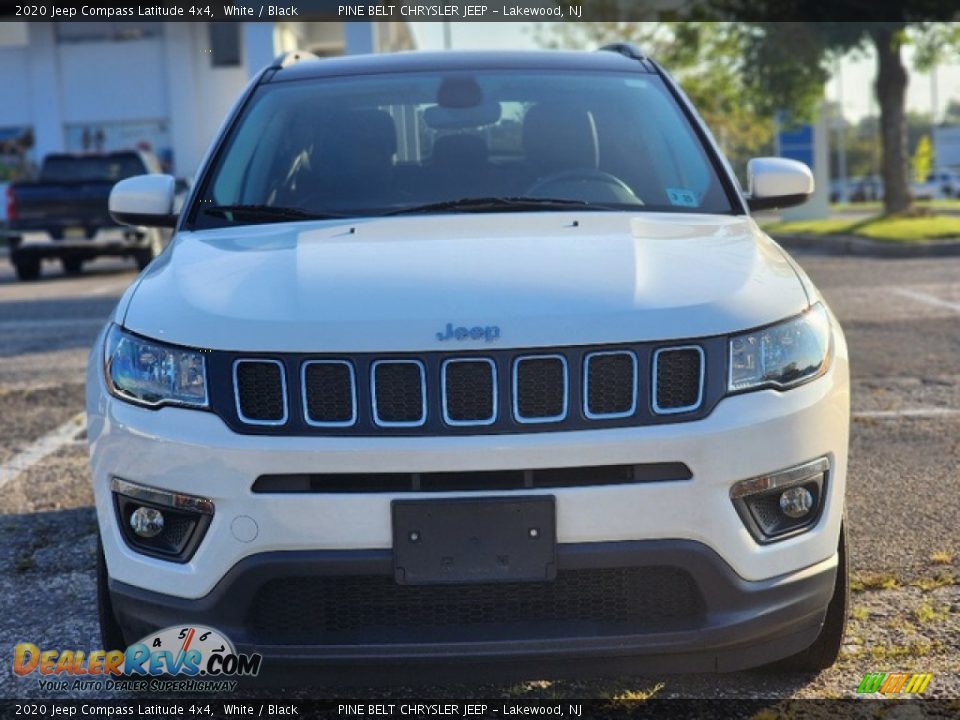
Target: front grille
{"x":678,"y":378}
{"x":540,"y":388}
{"x":610,"y":381}
{"x":260,"y":391}
{"x":399,"y":393}
{"x":488,"y":392}
{"x":329,"y":391}
{"x":585,"y":602}
{"x":475,"y":480}
{"x":469,"y":391}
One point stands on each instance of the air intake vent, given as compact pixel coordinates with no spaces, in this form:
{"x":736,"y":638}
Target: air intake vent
{"x":261,"y":392}
{"x":329,"y":393}
{"x":469,"y":390}
{"x":540,"y":388}
{"x":399,"y":393}
{"x":610,"y":385}
{"x":678,"y":379}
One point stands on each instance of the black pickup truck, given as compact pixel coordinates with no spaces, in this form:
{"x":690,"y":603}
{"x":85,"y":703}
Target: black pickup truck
{"x":63,"y":213}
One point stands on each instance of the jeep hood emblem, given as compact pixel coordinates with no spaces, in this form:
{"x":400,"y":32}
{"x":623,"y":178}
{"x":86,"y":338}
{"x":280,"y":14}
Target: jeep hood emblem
{"x":488,"y":333}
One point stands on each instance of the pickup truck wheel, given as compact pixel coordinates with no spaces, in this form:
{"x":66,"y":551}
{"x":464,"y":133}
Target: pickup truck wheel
{"x":72,"y":265}
{"x":826,"y":648}
{"x":27,"y":268}
{"x":111,"y":636}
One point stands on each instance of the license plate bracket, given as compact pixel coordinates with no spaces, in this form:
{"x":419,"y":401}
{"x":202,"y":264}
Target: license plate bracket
{"x":474,"y":540}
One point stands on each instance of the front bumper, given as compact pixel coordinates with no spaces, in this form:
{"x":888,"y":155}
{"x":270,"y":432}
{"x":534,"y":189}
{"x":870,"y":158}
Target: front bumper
{"x":714,"y":621}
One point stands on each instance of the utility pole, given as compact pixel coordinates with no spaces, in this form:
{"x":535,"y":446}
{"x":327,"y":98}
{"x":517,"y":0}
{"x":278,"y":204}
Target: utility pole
{"x":447,"y":36}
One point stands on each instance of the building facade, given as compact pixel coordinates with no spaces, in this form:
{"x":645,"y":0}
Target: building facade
{"x":162,"y":86}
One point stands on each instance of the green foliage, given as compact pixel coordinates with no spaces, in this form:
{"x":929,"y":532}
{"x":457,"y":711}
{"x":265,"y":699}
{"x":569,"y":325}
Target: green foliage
{"x":923,"y":159}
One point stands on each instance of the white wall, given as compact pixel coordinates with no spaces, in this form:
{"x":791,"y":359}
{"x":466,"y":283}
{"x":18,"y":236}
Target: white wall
{"x":112,"y":81}
{"x":14,"y":109}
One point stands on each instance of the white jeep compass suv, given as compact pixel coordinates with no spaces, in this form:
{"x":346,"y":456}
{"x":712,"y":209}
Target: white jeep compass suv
{"x":475,"y":362}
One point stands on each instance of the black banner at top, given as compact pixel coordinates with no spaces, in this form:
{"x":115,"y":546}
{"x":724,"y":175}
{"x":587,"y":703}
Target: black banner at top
{"x":480,"y":10}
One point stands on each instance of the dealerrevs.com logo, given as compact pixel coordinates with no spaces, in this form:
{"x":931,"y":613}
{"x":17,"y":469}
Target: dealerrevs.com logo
{"x":181,"y":658}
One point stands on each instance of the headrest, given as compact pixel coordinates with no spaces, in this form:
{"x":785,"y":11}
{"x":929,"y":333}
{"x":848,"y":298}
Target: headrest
{"x":558,"y":137}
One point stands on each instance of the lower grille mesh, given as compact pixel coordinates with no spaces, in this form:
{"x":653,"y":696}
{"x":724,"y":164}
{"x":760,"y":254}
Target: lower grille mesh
{"x":345,"y":609}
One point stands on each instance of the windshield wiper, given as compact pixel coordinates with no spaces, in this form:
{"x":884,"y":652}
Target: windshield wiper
{"x":500,"y":204}
{"x":267,"y":213}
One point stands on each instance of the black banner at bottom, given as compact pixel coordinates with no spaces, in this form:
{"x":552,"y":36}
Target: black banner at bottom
{"x":452,"y":710}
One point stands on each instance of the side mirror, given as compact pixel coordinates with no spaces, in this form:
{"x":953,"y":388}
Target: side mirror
{"x":774,"y":183}
{"x":144,"y":200}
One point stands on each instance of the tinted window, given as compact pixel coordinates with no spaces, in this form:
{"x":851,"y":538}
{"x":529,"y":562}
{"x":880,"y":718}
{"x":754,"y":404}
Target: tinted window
{"x":67,"y":168}
{"x":372,"y":144}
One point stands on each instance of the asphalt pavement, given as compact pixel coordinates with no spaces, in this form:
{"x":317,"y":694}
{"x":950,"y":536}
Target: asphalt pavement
{"x":902,"y":320}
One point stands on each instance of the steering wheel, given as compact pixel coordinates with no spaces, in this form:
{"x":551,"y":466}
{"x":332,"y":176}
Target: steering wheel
{"x":591,"y":175}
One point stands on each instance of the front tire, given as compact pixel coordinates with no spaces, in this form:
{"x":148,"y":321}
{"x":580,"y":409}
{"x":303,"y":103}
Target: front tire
{"x":27,"y":268}
{"x":826,"y":648}
{"x":111,"y":635}
{"x":72,"y":265}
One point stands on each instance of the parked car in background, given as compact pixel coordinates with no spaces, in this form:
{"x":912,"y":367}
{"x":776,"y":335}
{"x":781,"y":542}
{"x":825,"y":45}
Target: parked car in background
{"x":865,"y":189}
{"x":63,"y":213}
{"x":940,"y":184}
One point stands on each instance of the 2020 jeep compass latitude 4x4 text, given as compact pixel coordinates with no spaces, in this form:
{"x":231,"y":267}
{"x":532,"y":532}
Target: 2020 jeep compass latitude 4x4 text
{"x":476,"y":361}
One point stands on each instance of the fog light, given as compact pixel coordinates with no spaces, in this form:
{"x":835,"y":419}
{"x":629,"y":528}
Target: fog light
{"x":783,"y":503}
{"x":147,"y":522}
{"x":796,"y":502}
{"x":160,"y":523}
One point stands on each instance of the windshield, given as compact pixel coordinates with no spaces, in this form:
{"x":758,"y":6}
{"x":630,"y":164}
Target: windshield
{"x":459,"y":142}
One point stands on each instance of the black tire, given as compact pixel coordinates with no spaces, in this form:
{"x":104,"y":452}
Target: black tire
{"x":826,"y":648}
{"x":111,"y":635}
{"x":72,"y":265}
{"x":27,"y":268}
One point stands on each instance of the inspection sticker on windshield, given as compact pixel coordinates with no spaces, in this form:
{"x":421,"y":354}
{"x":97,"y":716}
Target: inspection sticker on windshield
{"x":682,"y":197}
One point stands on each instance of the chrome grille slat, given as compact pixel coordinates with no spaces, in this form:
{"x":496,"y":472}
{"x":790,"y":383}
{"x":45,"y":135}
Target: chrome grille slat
{"x":690,"y":377}
{"x":602,"y":386}
{"x":401,"y":391}
{"x":540,"y":395}
{"x":254,"y":386}
{"x":460,"y":394}
{"x":337,"y":404}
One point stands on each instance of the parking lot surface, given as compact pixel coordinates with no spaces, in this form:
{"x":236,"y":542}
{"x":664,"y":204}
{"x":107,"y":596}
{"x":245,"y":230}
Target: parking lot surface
{"x":902,"y":320}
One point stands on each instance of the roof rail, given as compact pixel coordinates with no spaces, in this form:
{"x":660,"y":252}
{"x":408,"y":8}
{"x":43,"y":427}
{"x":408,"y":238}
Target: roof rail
{"x":289,"y":58}
{"x":626,"y":49}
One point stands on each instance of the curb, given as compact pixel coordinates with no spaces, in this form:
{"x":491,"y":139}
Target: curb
{"x":853,"y":245}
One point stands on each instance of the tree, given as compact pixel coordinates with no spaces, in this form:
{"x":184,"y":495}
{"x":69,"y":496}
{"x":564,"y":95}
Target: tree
{"x":789,"y":53}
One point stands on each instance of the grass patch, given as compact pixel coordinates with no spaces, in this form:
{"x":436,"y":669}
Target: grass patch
{"x":888,"y":228}
{"x":860,"y":613}
{"x":918,"y":649}
{"x":876,"y":205}
{"x":937,"y":581}
{"x":926,"y":613}
{"x":941,"y":557}
{"x":874,"y":582}
{"x":633,"y":695}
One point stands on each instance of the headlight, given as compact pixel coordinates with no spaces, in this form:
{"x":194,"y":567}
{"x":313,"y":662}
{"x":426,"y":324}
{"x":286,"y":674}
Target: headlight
{"x":150,"y":373}
{"x":781,"y":355}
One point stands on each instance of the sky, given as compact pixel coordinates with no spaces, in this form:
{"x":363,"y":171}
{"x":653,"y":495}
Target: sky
{"x":856,"y":73}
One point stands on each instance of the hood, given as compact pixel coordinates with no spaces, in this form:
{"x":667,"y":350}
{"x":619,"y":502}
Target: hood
{"x":528,"y":279}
